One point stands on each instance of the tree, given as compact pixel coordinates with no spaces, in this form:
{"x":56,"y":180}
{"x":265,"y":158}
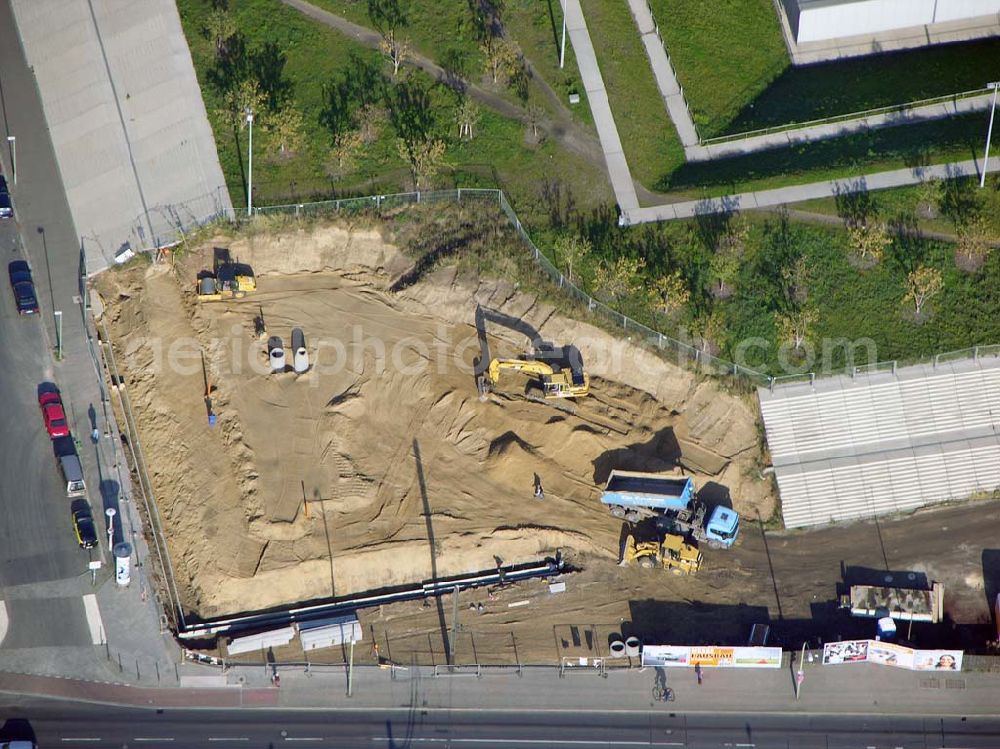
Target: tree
{"x":723,"y":268}
{"x":246,"y":96}
{"x":425,"y":158}
{"x":621,"y":279}
{"x":503,"y":58}
{"x":797,"y":327}
{"x":285,"y":128}
{"x":921,"y":285}
{"x":343,"y":153}
{"x":929,"y":195}
{"x":386,"y":15}
{"x":796,"y":281}
{"x":535,"y":117}
{"x":370,"y":119}
{"x":395,"y":49}
{"x":572,"y":251}
{"x":467,"y":115}
{"x":734,"y":238}
{"x":220,"y":28}
{"x":869,"y":241}
{"x":670,"y":293}
{"x":711,"y":332}
{"x":973,"y":246}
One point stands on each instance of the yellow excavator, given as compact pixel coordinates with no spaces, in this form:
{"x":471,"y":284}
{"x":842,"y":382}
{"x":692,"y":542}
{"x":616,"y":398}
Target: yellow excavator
{"x":562,"y":384}
{"x":230,"y":280}
{"x":673,"y":553}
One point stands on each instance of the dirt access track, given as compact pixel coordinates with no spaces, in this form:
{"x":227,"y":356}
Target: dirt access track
{"x":407,"y":474}
{"x":381,"y":465}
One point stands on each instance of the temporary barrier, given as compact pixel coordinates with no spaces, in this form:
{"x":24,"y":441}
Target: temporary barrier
{"x":891,"y":654}
{"x":711,"y":656}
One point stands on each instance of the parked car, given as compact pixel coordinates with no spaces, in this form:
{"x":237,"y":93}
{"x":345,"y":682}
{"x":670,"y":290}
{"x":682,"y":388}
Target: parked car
{"x":6,"y":206}
{"x":54,"y":414}
{"x":83,"y":525}
{"x":23,"y":287}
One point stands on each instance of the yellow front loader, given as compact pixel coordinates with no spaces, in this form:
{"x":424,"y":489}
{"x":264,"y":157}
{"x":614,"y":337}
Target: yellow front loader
{"x":673,"y":554}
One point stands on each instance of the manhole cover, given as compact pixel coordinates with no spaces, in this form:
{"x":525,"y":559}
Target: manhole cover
{"x":955,"y":684}
{"x":930,"y":684}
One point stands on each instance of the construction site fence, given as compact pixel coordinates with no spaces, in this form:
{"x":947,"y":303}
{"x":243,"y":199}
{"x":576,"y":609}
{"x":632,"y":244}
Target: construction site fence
{"x":684,"y":353}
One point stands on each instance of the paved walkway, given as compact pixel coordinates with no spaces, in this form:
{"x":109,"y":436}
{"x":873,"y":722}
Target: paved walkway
{"x":782,"y":195}
{"x":847,"y":688}
{"x":593,"y":83}
{"x":666,"y":79}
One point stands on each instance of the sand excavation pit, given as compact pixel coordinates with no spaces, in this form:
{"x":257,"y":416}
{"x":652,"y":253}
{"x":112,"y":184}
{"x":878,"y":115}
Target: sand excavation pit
{"x":381,"y":465}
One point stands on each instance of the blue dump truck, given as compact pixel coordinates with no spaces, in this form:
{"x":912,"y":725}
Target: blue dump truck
{"x":634,"y":496}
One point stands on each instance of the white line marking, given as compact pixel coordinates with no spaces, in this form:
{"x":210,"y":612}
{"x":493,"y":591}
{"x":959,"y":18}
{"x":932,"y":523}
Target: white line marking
{"x":303,"y":738}
{"x":561,"y":742}
{"x":228,"y":738}
{"x":153,"y":738}
{"x":4,"y":621}
{"x":94,"y":619}
{"x":79,"y":739}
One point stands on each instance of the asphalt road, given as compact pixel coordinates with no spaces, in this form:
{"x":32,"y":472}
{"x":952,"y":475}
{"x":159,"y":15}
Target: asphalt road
{"x":68,"y":724}
{"x":38,"y":545}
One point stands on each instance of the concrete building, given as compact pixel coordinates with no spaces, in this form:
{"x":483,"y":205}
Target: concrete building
{"x":817,"y":30}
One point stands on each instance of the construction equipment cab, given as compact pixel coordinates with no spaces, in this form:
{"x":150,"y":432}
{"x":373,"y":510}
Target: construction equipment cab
{"x":229,"y":280}
{"x":555,"y":384}
{"x":673,"y":553}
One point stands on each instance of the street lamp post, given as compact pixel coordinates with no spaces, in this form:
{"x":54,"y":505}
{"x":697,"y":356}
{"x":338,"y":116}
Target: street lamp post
{"x":249,"y":120}
{"x":800,"y":675}
{"x":995,"y":85}
{"x":111,"y":512}
{"x":58,"y":314}
{"x":562,"y":47}
{"x":12,"y":142}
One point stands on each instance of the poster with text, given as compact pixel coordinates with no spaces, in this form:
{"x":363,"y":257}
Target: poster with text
{"x":848,"y":651}
{"x":711,"y":656}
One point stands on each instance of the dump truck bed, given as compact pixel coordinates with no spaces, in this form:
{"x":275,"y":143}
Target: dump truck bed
{"x":635,"y":489}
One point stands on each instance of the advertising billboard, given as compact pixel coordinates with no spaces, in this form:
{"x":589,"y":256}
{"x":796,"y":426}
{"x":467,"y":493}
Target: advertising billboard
{"x":711,"y":656}
{"x":891,"y":654}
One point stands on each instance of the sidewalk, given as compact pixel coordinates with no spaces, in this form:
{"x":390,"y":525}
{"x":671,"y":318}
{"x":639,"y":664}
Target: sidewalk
{"x":782,"y":195}
{"x":604,"y":121}
{"x":848,"y":688}
{"x":666,"y":80}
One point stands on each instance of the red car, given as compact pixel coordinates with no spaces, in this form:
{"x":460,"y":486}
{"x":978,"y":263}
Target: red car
{"x":54,"y":415}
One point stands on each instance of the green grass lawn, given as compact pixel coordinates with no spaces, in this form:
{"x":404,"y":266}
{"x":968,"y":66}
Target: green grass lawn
{"x":315,"y":56}
{"x":651,"y":144}
{"x":725,"y":58}
{"x":737,"y":75}
{"x":807,"y":93}
{"x":445,"y":33}
{"x":911,"y":206}
{"x":955,"y":139}
{"x":851,"y":304}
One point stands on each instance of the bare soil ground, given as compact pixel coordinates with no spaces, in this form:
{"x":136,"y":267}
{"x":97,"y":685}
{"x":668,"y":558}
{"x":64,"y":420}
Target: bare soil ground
{"x":382,"y":466}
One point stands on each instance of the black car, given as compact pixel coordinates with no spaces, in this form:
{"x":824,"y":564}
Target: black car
{"x":86,"y":531}
{"x":6,"y":206}
{"x":24,"y":288}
